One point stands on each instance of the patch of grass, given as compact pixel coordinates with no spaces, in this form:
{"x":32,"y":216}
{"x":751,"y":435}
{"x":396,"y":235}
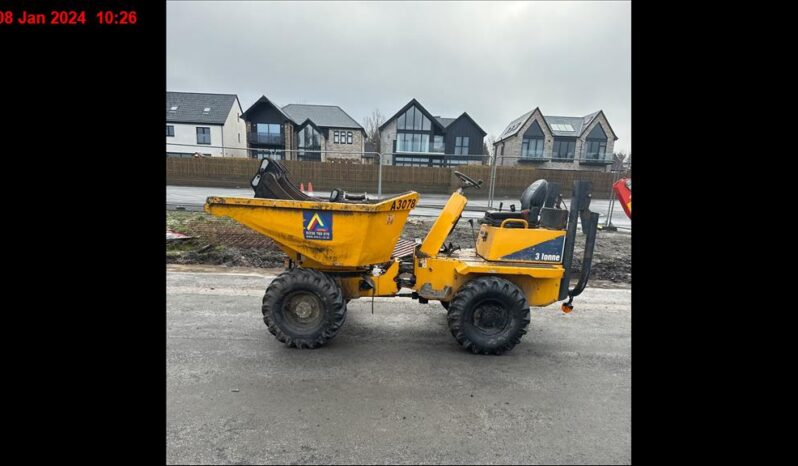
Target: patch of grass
{"x":194,"y":223}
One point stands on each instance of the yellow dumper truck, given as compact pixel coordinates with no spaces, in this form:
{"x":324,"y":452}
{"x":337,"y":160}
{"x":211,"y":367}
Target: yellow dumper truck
{"x":348,"y":247}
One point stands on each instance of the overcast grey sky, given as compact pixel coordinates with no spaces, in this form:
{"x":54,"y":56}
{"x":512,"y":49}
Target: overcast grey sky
{"x":494,"y":60}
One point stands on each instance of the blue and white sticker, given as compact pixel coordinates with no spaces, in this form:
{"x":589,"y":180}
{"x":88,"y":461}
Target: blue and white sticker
{"x":317,"y":224}
{"x":547,"y":251}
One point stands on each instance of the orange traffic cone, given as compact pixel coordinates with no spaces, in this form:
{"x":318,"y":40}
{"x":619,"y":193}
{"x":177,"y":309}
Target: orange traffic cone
{"x":310,"y":188}
{"x":302,"y":187}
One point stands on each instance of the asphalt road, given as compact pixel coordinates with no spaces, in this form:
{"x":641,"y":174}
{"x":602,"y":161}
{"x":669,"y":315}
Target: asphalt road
{"x":393,"y":387}
{"x":193,"y":197}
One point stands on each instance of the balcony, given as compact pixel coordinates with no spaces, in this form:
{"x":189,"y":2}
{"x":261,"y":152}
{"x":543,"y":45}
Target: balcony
{"x":533,"y":159}
{"x":420,"y":149}
{"x":596,"y":159}
{"x":432,"y":159}
{"x":265,"y":138}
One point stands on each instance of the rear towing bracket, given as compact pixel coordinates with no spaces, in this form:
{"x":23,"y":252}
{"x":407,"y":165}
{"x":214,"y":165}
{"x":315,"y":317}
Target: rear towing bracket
{"x":580,"y":205}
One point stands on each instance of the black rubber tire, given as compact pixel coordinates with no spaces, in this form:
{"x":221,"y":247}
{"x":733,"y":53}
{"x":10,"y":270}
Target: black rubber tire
{"x":310,"y":283}
{"x":445,"y":304}
{"x":502,"y":297}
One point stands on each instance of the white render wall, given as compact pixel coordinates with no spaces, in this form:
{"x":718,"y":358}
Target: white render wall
{"x":187,"y":134}
{"x":234,"y":129}
{"x":227,"y":136}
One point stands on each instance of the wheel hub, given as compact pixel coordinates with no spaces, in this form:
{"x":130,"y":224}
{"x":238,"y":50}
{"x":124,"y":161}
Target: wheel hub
{"x":490,"y":318}
{"x":303,"y":310}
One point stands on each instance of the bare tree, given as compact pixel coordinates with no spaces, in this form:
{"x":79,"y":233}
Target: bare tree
{"x":372,"y":125}
{"x":487,"y":146}
{"x":620,"y":160}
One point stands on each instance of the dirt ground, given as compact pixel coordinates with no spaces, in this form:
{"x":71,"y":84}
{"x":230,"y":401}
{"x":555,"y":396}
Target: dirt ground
{"x":221,"y":241}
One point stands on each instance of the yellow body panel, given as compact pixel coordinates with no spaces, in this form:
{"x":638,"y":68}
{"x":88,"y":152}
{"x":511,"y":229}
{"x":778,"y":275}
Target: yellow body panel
{"x":440,"y":278}
{"x":496,"y":244}
{"x":443,"y":225}
{"x":359,"y":235}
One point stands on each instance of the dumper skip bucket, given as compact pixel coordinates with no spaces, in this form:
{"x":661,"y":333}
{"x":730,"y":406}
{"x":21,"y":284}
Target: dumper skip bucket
{"x":332,"y":234}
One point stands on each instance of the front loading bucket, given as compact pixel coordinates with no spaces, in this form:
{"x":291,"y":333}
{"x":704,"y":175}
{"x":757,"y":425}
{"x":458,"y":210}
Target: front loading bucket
{"x":330,"y":233}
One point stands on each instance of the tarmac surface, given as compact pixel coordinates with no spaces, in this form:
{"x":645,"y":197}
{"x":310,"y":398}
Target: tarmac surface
{"x":192,"y":198}
{"x":392,"y":387}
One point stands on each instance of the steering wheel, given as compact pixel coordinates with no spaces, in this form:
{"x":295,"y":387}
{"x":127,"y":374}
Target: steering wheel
{"x":468,"y":182}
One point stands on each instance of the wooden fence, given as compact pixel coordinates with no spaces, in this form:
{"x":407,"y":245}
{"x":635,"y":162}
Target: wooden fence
{"x":510,"y":181}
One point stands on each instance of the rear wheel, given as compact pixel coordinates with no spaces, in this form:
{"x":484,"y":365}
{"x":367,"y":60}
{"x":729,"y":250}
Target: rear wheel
{"x":489,"y":315}
{"x":304,"y":308}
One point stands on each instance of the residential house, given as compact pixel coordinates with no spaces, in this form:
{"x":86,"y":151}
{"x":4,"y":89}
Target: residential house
{"x":570,"y":143}
{"x":413,"y":136}
{"x":208,"y":124}
{"x":302,"y":132}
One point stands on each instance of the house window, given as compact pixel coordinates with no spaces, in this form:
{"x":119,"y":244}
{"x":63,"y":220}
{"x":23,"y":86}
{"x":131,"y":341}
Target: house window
{"x":239,"y":137}
{"x":412,"y":142}
{"x":170,"y":131}
{"x":533,"y":139}
{"x":563,"y":149}
{"x":414,"y":131}
{"x":413,"y":119}
{"x":308,"y":139}
{"x":438,"y":144}
{"x":461,"y":145}
{"x":532,"y":147}
{"x":335,"y":137}
{"x":596,"y":149}
{"x":203,"y":135}
{"x":349,"y":137}
{"x":260,"y":154}
{"x":268,"y":133}
{"x":596,"y":144}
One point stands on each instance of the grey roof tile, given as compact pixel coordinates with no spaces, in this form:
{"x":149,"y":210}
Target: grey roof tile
{"x":329,"y":116}
{"x":445,"y":121}
{"x":514,"y":126}
{"x":191,"y":106}
{"x":575,"y":122}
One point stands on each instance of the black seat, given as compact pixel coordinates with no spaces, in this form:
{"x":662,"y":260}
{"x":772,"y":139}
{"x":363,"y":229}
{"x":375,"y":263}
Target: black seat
{"x":495,"y":217}
{"x":505,"y":214}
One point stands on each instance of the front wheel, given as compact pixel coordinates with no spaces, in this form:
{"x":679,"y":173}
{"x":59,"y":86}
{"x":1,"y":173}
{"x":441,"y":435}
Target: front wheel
{"x":304,"y":308}
{"x":489,"y":315}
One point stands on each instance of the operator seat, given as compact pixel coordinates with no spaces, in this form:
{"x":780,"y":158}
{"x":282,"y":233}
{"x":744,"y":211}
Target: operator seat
{"x":532,"y":200}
